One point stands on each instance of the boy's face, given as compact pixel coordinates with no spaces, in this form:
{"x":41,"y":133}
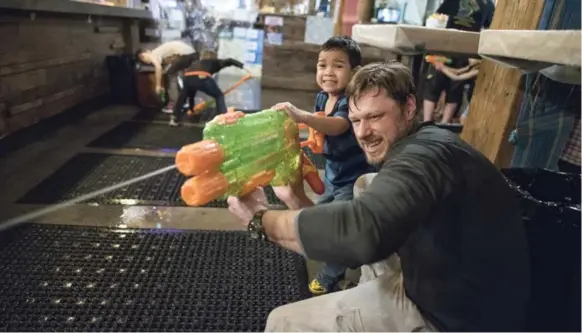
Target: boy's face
{"x":333,"y":71}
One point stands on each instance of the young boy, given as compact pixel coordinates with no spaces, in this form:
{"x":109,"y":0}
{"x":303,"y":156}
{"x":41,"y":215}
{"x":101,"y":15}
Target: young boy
{"x":198,"y":77}
{"x":465,"y":74}
{"x":339,"y":57}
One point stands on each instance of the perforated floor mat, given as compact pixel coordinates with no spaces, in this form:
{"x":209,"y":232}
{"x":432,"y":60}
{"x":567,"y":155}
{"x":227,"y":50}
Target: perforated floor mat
{"x":161,"y":116}
{"x":66,"y":278}
{"x":86,"y":173}
{"x":148,"y":136}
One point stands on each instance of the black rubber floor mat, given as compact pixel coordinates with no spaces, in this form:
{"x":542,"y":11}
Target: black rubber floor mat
{"x":67,"y":278}
{"x":158,"y":115}
{"x":316,"y":159}
{"x":148,"y":136}
{"x":86,"y":173}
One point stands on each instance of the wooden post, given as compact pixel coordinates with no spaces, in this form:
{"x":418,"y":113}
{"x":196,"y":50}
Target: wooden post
{"x":365,"y":8}
{"x":495,"y":104}
{"x":339,"y":19}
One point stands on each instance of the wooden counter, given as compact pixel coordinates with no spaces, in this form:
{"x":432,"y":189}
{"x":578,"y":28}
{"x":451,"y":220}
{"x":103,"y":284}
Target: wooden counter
{"x":53,"y":55}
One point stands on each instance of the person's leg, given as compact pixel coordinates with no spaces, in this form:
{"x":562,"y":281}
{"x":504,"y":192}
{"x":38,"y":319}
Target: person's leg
{"x":211,"y":88}
{"x":179,"y":105}
{"x":328,"y":278}
{"x":432,"y":92}
{"x":453,"y":98}
{"x":175,"y":70}
{"x":378,"y":305}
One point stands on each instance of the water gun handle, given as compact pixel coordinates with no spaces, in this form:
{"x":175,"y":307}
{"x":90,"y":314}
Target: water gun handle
{"x":315,"y":139}
{"x":432,"y":59}
{"x":311,"y":175}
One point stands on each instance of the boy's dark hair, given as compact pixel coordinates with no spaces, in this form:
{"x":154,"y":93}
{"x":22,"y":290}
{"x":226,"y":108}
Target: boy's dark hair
{"x":345,"y":44}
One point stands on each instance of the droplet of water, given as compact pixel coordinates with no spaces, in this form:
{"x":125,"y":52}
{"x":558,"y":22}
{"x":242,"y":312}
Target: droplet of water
{"x":115,"y":246}
{"x":104,"y":302}
{"x":78,"y":270}
{"x":57,"y":301}
{"x":91,"y":285}
{"x":68,"y":285}
{"x":80,"y":302}
{"x":100,"y":271}
{"x":70,"y":319}
{"x":109,"y":258}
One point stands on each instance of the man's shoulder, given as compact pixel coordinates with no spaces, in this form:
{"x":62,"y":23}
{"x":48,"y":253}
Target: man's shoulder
{"x":432,"y":143}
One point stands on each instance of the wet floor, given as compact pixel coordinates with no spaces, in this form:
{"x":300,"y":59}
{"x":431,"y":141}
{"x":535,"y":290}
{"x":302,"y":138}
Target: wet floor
{"x":22,"y":170}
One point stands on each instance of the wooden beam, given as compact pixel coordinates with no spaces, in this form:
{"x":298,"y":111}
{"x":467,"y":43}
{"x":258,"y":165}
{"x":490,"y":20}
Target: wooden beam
{"x":365,"y":8}
{"x":338,"y":26}
{"x":496,"y":101}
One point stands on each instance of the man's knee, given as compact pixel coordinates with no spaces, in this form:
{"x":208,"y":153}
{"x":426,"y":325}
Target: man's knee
{"x":277,"y":318}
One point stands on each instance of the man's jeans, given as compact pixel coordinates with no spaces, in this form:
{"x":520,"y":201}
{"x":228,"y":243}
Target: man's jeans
{"x":378,"y":304}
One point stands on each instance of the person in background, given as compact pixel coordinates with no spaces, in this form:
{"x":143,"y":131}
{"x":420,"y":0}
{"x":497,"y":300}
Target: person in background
{"x":198,"y":77}
{"x":467,"y":15}
{"x":438,"y":203}
{"x":466,"y":74}
{"x":175,"y":56}
{"x":338,"y":58}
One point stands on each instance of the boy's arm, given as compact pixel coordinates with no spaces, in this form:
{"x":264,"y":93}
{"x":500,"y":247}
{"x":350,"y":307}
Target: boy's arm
{"x":460,"y":77}
{"x":157,"y":73}
{"x":223,"y":63}
{"x":333,"y":126}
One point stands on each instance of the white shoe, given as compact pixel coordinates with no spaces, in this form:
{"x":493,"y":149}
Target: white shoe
{"x":168,"y":109}
{"x":173,"y":122}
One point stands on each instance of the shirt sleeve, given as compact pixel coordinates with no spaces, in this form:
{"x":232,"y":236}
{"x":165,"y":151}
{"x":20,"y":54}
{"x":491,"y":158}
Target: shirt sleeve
{"x":373,"y":226}
{"x":342,"y":109}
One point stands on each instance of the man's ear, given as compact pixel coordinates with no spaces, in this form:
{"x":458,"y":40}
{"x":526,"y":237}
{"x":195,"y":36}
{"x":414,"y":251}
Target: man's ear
{"x":410,"y":107}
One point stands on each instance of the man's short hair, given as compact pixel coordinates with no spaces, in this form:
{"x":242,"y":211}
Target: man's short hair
{"x":394,"y":77}
{"x":347,"y":45}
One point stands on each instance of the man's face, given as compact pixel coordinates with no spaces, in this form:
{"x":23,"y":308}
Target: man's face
{"x":379,"y":122}
{"x":333,"y":71}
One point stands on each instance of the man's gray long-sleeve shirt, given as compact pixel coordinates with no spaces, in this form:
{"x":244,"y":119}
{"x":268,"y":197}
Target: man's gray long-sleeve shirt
{"x":452,"y":219}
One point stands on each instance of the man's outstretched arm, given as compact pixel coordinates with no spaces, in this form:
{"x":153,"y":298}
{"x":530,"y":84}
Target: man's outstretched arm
{"x":373,"y":226}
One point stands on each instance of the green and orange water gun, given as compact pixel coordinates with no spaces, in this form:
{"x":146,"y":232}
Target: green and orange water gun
{"x":240,"y":152}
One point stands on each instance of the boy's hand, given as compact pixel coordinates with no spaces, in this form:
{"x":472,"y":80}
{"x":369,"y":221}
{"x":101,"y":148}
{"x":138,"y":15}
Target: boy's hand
{"x":439,"y":66}
{"x":296,"y":114}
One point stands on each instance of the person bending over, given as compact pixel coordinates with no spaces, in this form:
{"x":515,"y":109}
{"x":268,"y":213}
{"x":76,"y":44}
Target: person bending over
{"x":436,"y":203}
{"x":345,"y":160}
{"x":198,"y":77}
{"x":175,"y":56}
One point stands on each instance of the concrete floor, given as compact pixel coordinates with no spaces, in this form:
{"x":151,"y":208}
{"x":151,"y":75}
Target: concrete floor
{"x":25,"y":168}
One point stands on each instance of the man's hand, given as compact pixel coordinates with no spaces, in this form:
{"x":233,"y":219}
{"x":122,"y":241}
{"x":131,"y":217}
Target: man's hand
{"x":159,"y":89}
{"x":296,"y":114}
{"x":439,"y":66}
{"x":245,"y":208}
